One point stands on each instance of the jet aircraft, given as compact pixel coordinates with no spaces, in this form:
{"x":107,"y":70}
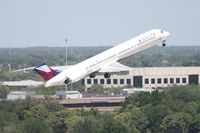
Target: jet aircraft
{"x":105,"y":62}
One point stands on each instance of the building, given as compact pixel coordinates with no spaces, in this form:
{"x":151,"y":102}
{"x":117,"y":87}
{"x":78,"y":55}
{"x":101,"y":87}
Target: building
{"x":69,"y":94}
{"x":23,"y":83}
{"x":128,"y":91}
{"x":14,"y":95}
{"x":149,"y":77}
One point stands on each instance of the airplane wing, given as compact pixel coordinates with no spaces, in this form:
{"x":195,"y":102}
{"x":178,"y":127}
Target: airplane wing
{"x":114,"y":67}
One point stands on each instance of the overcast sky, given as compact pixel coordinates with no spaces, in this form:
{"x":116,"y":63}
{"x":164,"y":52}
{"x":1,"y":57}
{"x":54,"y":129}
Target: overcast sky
{"x":25,"y":23}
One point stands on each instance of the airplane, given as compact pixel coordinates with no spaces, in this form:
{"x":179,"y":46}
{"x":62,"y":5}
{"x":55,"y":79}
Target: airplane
{"x":105,"y":62}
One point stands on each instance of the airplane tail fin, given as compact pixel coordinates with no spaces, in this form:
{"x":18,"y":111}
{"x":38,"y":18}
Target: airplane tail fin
{"x":45,"y":71}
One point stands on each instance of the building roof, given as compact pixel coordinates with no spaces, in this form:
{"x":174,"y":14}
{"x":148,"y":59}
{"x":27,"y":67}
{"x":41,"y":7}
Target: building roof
{"x":23,"y":83}
{"x":154,"y":71}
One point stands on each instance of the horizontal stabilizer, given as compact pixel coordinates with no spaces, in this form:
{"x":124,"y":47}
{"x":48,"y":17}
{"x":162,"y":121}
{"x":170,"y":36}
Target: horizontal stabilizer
{"x":57,"y":68}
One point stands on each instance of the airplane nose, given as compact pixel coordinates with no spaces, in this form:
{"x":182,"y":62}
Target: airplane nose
{"x":167,"y":34}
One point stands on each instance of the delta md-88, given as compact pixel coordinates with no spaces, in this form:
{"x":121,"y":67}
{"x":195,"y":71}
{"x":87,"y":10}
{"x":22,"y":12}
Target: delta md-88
{"x":105,"y":62}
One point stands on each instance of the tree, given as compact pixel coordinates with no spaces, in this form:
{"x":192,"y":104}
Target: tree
{"x":86,"y":125}
{"x":8,"y":122}
{"x":135,"y":119}
{"x":176,"y":123}
{"x":52,"y":105}
{"x":194,"y":126}
{"x":4,"y":90}
{"x":60,"y":121}
{"x":154,"y":115}
{"x":138,"y":119}
{"x":37,"y":111}
{"x":115,"y":126}
{"x":35,"y":126}
{"x":57,"y":124}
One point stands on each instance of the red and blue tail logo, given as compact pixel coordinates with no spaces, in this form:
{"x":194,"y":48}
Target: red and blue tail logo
{"x":45,"y":71}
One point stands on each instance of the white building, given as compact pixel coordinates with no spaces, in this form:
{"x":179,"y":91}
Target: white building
{"x":23,"y":83}
{"x":69,"y":94}
{"x":149,"y":77}
{"x":14,"y":95}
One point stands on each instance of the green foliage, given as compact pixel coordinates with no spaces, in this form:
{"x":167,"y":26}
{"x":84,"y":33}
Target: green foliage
{"x":174,"y":110}
{"x":161,"y":107}
{"x":194,"y":126}
{"x":8,"y":122}
{"x":86,"y":125}
{"x":135,"y":119}
{"x":176,"y":123}
{"x":115,"y":126}
{"x":144,"y":98}
{"x":154,"y":115}
{"x":57,"y":124}
{"x":51,"y":105}
{"x":16,"y":76}
{"x":153,"y":57}
{"x":4,"y":90}
{"x":35,"y":126}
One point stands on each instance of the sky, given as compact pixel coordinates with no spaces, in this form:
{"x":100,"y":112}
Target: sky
{"x":30,"y":23}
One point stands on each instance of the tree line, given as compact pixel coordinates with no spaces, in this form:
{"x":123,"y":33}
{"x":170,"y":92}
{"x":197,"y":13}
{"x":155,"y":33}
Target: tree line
{"x":176,"y":110}
{"x":154,"y":57}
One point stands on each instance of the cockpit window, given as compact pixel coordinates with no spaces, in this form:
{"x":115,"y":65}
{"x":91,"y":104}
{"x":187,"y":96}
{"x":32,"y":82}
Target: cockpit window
{"x":161,"y":31}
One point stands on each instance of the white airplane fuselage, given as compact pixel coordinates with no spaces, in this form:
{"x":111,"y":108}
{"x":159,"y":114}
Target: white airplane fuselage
{"x":106,"y":58}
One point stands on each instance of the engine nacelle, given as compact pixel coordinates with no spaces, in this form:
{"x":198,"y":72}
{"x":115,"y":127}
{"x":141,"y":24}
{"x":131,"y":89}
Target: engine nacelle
{"x":107,"y":75}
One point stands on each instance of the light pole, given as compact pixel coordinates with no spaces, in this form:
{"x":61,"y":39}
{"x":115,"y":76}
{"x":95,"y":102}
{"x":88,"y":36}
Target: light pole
{"x":66,"y":59}
{"x":1,"y":67}
{"x":66,"y":51}
{"x":9,"y":68}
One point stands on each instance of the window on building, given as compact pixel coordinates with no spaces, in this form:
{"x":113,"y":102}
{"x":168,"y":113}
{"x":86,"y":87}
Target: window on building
{"x":183,"y":80}
{"x":146,"y":81}
{"x":115,"y":81}
{"x":153,"y":81}
{"x":95,"y":81}
{"x":101,"y":81}
{"x":171,"y":80}
{"x":165,"y":80}
{"x":128,"y":81}
{"x":159,"y":81}
{"x":108,"y":81}
{"x":121,"y":81}
{"x":88,"y":81}
{"x":177,"y":80}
